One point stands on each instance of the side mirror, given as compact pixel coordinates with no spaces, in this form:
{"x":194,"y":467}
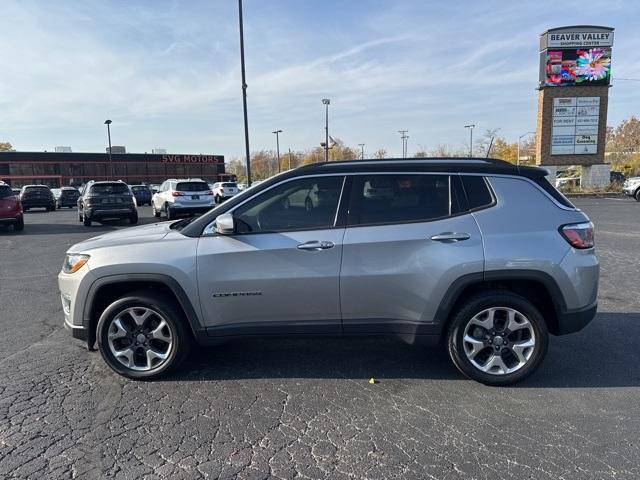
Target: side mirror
{"x":225,"y":224}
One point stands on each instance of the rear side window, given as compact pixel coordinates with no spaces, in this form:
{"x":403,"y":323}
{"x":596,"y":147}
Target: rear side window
{"x":551,"y":190}
{"x":477,"y":190}
{"x":192,"y":187}
{"x":379,"y":199}
{"x":109,"y":189}
{"x":5,"y":191}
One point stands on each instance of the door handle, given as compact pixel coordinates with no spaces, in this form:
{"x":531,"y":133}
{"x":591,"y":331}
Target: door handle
{"x":315,"y":245}
{"x":448,"y":237}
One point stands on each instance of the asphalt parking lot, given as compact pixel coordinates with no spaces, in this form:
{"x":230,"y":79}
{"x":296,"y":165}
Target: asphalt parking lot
{"x":304,"y":408}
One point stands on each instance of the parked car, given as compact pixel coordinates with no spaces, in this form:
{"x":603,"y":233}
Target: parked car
{"x":37,"y":196}
{"x":224,"y":190}
{"x":631,"y":187}
{"x":10,"y":208}
{"x":142,"y":193}
{"x":106,"y":200}
{"x":481,"y":253}
{"x":16,"y":191}
{"x":182,"y":196}
{"x":66,"y":197}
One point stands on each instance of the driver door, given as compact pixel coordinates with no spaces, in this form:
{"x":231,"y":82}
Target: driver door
{"x":279,"y":272}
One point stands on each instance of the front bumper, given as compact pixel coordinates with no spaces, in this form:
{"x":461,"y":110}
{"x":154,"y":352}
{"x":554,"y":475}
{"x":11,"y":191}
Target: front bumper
{"x":630,"y":190}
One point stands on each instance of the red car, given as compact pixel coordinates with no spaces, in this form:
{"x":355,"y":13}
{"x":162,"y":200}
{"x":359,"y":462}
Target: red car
{"x":10,"y":208}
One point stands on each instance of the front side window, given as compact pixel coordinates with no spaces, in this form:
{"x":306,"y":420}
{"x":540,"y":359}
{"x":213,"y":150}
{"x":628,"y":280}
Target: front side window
{"x":304,"y":204}
{"x":402,"y":198}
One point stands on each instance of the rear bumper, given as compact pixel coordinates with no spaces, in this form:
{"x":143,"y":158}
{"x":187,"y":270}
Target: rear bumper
{"x":109,"y":212}
{"x":572,"y":321}
{"x":10,"y":220}
{"x":37,"y":203}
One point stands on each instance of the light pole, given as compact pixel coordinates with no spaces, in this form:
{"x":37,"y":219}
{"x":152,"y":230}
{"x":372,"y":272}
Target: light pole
{"x":520,"y":138}
{"x":361,"y":145}
{"x":326,"y":102}
{"x":403,"y":136}
{"x":108,"y":124}
{"x":278,"y":132}
{"x":470,"y":127}
{"x":244,"y":95}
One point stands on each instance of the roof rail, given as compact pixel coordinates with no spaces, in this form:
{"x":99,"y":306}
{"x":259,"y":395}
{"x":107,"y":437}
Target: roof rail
{"x":492,"y":161}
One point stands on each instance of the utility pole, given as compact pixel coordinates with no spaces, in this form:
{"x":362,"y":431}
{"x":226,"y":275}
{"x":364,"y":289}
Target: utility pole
{"x":361,"y":145}
{"x":470,"y":127}
{"x":108,"y":124}
{"x":244,"y":95}
{"x":520,"y":138}
{"x":404,"y":138}
{"x":289,"y":159}
{"x":277,"y":132}
{"x":326,"y":102}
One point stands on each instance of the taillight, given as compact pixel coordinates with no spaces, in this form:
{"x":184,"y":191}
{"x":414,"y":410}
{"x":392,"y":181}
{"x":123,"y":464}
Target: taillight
{"x":579,"y":235}
{"x":176,"y":194}
{"x":209,"y":192}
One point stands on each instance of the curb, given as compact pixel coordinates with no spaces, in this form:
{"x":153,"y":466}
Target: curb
{"x":594,"y":195}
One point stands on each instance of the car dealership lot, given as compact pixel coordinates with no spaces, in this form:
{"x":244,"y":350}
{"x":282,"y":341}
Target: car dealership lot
{"x":304,"y":407}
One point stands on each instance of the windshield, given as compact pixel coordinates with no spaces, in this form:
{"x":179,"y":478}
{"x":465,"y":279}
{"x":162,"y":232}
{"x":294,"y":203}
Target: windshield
{"x":5,"y":191}
{"x":192,"y":187}
{"x":109,"y":188}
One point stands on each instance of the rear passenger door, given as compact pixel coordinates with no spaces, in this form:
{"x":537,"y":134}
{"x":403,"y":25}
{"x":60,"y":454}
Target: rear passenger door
{"x":408,"y":238}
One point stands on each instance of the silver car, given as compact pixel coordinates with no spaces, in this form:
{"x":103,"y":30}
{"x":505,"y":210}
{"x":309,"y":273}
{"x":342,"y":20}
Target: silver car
{"x":479,"y":253}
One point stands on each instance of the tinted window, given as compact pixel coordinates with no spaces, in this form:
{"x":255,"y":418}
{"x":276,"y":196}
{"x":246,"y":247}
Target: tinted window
{"x":229,"y":185}
{"x":192,"y":187}
{"x":477,"y":190}
{"x":140,"y":188}
{"x":109,"y":188}
{"x":309,"y":203}
{"x":5,"y":191}
{"x":69,"y":193}
{"x":551,"y":190}
{"x":38,"y":190}
{"x":402,"y":198}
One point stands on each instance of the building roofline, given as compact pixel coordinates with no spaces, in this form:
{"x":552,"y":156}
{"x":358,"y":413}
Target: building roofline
{"x":555,"y":29}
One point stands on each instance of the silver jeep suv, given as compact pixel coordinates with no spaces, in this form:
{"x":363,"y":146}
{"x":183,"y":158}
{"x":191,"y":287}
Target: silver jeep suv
{"x":484,"y":255}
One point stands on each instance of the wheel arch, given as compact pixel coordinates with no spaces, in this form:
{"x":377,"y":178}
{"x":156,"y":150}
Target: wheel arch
{"x":106,"y":290}
{"x":536,"y":286}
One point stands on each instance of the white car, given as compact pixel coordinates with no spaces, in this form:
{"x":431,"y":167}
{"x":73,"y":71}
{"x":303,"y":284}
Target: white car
{"x":631,"y":187}
{"x":224,"y":190}
{"x":182,"y":196}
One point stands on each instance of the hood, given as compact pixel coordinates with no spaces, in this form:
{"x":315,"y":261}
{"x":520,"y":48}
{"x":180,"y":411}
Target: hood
{"x":126,"y":236}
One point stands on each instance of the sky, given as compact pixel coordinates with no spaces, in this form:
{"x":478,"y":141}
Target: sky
{"x":167,"y":72}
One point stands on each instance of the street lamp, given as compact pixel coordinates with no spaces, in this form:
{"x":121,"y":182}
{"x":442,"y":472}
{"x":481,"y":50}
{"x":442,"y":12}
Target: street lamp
{"x":326,"y":102}
{"x":520,"y":138}
{"x":361,"y":145}
{"x":404,"y":137}
{"x":108,"y":124}
{"x":244,"y":95}
{"x":470,"y":127}
{"x":277,"y":132}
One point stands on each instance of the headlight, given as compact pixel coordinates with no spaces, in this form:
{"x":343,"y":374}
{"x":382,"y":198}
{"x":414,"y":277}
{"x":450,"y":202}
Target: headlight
{"x":74,"y":262}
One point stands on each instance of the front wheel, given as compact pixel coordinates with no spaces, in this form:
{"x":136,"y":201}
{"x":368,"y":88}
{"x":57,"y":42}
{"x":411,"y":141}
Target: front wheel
{"x":156,"y":213}
{"x":497,"y":338}
{"x":143,"y":336}
{"x":637,"y":195}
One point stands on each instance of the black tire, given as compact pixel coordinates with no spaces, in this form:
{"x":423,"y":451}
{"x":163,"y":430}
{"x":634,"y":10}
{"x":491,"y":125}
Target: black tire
{"x":216,"y":199}
{"x":79,"y":216}
{"x":168,"y":212}
{"x":477,"y":304}
{"x":19,"y":225}
{"x":134,"y":218}
{"x":156,"y":213}
{"x":181,"y":335}
{"x":637,"y":195}
{"x":86,"y":221}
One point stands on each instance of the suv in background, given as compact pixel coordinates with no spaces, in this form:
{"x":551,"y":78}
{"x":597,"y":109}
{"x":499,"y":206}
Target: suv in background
{"x":106,"y":200}
{"x":66,"y":197}
{"x":631,"y":187}
{"x":224,"y":190}
{"x":439,"y":255}
{"x":142,"y":193}
{"x":37,"y":196}
{"x":182,"y":196}
{"x":10,"y":208}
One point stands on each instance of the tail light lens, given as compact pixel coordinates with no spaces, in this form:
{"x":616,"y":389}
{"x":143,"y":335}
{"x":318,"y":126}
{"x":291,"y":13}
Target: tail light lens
{"x":579,"y":235}
{"x":176,"y":194}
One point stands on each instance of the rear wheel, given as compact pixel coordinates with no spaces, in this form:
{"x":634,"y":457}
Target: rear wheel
{"x":19,"y":225}
{"x":86,"y":220}
{"x":156,"y":213}
{"x":168,"y":212}
{"x":143,"y":336}
{"x":497,"y":338}
{"x":79,"y":216}
{"x":134,"y":218}
{"x":637,"y":195}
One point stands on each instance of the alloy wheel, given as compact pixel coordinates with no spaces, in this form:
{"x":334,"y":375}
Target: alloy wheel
{"x":140,"y":338}
{"x":499,"y":340}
